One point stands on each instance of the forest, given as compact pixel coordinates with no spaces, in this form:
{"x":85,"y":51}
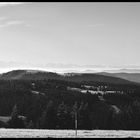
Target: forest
{"x":48,"y":104}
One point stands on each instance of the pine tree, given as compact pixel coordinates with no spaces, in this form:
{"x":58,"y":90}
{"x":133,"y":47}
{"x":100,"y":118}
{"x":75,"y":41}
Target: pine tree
{"x":136,"y":114}
{"x":14,"y":114}
{"x":63,"y":117}
{"x":74,"y":115}
{"x":86,"y":118}
{"x":48,"y":118}
{"x":81,"y":116}
{"x":30,"y":125}
{"x":15,"y":121}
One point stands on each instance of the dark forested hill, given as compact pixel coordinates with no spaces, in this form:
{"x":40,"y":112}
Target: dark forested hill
{"x":28,"y":75}
{"x":134,"y":77}
{"x":42,"y":75}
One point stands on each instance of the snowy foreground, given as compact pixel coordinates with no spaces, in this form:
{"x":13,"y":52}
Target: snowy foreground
{"x":34,"y":133}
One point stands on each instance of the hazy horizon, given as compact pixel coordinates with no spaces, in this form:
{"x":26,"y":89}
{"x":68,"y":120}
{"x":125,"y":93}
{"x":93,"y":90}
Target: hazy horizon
{"x":100,"y":34}
{"x":64,"y":68}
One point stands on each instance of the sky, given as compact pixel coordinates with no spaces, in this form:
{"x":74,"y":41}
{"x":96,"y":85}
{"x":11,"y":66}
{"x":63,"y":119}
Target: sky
{"x":70,"y":33}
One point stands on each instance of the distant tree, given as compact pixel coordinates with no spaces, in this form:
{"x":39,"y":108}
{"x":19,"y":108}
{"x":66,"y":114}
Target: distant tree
{"x":30,"y":125}
{"x":74,"y":115}
{"x":83,"y":116}
{"x":136,"y":114}
{"x":15,"y":121}
{"x":63,"y":117}
{"x":48,"y":117}
{"x":15,"y":112}
{"x":3,"y":124}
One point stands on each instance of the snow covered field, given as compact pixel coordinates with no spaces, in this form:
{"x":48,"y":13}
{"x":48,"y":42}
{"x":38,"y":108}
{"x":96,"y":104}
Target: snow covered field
{"x":34,"y":133}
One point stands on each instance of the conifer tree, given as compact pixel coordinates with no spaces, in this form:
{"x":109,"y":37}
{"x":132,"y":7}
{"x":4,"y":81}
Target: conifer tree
{"x":63,"y":117}
{"x":15,"y":121}
{"x":48,"y":118}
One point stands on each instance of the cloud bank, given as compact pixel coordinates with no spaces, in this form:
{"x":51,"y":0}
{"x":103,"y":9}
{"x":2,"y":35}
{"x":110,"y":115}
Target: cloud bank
{"x":3,"y":4}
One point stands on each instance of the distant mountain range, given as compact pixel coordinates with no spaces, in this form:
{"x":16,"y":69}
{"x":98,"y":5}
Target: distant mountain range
{"x":127,"y":70}
{"x":134,"y":77}
{"x":66,"y":68}
{"x":76,"y":77}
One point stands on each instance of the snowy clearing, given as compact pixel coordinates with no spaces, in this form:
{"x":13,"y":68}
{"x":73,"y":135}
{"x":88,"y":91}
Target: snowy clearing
{"x":35,"y":133}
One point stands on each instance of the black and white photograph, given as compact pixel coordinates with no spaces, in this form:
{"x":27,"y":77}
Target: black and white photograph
{"x":69,"y":69}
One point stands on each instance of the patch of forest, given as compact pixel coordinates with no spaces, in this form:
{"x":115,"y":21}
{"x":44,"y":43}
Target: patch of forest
{"x":56,"y":107}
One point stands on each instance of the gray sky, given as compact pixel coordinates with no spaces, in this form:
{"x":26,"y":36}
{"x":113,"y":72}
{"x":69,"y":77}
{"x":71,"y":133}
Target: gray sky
{"x":70,"y":33}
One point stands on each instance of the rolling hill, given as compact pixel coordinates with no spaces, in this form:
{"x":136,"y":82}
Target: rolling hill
{"x":134,"y":77}
{"x":76,"y":77}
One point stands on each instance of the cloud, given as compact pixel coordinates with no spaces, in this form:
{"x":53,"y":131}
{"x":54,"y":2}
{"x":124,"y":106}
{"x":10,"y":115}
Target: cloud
{"x":16,"y":22}
{"x":89,"y":26}
{"x":3,"y":18}
{"x":3,"y":4}
{"x":6,"y":22}
{"x":96,"y":25}
{"x":12,"y":23}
